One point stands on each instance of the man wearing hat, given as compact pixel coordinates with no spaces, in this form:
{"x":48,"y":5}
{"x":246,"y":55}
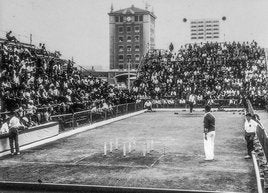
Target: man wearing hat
{"x":250,"y":129}
{"x":209,"y":134}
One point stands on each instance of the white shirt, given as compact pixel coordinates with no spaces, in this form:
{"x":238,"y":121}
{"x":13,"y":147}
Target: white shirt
{"x":14,"y":122}
{"x":4,"y":128}
{"x":147,"y":104}
{"x":250,"y":126}
{"x":191,"y":98}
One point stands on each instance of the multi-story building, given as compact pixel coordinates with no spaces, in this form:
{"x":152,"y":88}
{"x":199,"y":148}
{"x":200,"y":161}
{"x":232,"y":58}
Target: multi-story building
{"x":132,"y":33}
{"x":205,"y":30}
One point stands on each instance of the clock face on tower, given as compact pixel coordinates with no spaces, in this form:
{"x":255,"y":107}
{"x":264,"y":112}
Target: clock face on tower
{"x":128,"y":18}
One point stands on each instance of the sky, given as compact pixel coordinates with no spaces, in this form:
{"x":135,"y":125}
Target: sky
{"x":80,"y":28}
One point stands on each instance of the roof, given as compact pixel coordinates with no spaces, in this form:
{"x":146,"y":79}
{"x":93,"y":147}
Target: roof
{"x":131,"y":10}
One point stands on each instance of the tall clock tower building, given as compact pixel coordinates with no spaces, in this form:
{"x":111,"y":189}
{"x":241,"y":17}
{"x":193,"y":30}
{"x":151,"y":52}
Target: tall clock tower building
{"x":132,"y":34}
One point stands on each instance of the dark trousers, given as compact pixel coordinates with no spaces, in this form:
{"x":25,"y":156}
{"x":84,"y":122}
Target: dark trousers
{"x":249,"y":138}
{"x":191,"y":104}
{"x":14,"y":137}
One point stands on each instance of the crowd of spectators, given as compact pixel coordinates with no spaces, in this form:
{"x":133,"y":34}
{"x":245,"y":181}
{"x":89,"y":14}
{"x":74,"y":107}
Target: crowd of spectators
{"x":210,"y":71}
{"x":37,"y":84}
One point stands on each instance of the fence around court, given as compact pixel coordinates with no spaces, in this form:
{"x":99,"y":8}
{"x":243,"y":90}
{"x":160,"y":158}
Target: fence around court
{"x":67,"y":121}
{"x":261,"y":132}
{"x":263,"y":139}
{"x":215,"y":103}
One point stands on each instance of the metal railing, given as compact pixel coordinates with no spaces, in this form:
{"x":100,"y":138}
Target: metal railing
{"x":67,"y":121}
{"x":263,"y":139}
{"x":217,"y":103}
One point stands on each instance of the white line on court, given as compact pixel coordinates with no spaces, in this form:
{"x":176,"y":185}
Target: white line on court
{"x":72,"y":164}
{"x":152,"y":165}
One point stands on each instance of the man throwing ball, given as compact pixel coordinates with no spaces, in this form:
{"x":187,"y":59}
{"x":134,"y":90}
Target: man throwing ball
{"x":209,"y":134}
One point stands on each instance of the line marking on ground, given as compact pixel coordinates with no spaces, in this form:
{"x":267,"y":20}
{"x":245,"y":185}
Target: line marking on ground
{"x":72,"y":164}
{"x":81,"y":159}
{"x":152,"y":165}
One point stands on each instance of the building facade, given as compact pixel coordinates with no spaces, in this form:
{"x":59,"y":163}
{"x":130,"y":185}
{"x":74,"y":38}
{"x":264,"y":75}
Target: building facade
{"x":203,"y":30}
{"x":132,"y":33}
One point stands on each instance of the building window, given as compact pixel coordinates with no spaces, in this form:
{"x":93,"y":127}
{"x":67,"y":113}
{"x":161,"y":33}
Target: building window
{"x":121,"y":57}
{"x":208,"y":37}
{"x":128,"y":57}
{"x":128,"y":29}
{"x":116,"y":19}
{"x":201,"y":37}
{"x":193,"y":38}
{"x":141,"y":17}
{"x":121,"y":66}
{"x":120,"y":38}
{"x":128,"y":38}
{"x":137,"y":48}
{"x":216,"y":37}
{"x":136,"y":18}
{"x":137,"y":38}
{"x":121,"y":48}
{"x":129,"y":48}
{"x":121,"y":19}
{"x":137,"y":57}
{"x":120,"y":29}
{"x":137,"y":29}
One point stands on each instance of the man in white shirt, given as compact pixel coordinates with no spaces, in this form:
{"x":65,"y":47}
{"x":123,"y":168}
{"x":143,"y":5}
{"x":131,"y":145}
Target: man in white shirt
{"x":191,"y":102}
{"x":14,"y":125}
{"x":148,"y":105}
{"x":250,"y":129}
{"x":4,"y":128}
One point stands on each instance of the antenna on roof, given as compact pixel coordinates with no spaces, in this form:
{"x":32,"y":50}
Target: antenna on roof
{"x":112,"y":7}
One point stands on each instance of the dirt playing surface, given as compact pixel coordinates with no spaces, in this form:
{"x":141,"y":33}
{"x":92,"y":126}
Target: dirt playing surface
{"x":177,"y":159}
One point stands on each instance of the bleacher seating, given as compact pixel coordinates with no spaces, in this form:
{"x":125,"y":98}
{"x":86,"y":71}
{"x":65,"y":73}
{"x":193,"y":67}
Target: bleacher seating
{"x":210,"y":71}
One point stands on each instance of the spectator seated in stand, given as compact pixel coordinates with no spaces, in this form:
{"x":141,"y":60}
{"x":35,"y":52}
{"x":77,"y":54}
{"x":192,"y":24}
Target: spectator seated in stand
{"x":149,"y":106}
{"x":211,"y":71}
{"x":10,"y":37}
{"x":35,"y":78}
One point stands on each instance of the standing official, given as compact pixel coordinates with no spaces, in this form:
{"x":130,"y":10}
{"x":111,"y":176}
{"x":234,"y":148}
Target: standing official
{"x":209,"y":134}
{"x":250,"y":129}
